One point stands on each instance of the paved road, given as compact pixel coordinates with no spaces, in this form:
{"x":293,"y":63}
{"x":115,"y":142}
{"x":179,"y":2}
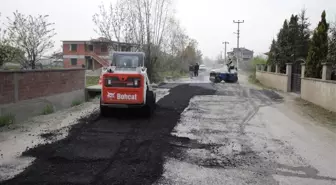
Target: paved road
{"x":201,"y":133}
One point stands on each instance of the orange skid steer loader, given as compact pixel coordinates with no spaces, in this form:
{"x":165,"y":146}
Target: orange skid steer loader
{"x":126,"y":84}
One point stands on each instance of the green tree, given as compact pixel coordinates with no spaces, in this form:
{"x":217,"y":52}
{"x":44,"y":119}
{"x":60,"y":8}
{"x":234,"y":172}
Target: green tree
{"x":272,"y":54}
{"x":10,"y":54}
{"x":318,"y":49}
{"x":283,"y":56}
{"x":293,"y":38}
{"x":332,"y":45}
{"x":304,"y":35}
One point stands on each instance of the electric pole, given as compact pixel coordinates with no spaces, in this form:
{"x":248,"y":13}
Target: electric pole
{"x":238,"y":33}
{"x":225,"y":43}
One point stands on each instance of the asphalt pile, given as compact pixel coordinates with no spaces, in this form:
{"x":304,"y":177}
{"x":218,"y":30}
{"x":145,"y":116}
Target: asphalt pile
{"x":123,"y":149}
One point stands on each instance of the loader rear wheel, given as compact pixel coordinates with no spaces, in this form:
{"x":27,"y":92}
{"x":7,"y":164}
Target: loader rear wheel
{"x":103,"y":110}
{"x":150,"y":106}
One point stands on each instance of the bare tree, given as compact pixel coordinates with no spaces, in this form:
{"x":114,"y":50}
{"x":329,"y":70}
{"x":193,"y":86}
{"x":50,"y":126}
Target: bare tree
{"x":111,"y":23}
{"x":33,"y":35}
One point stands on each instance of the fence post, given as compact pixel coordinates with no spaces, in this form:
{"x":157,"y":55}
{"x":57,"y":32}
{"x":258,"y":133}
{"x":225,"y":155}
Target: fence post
{"x":257,"y":67}
{"x":303,"y":69}
{"x":277,"y":68}
{"x":326,"y":71}
{"x":289,"y":76}
{"x":269,"y":68}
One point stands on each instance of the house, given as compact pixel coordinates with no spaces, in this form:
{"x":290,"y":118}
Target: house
{"x":245,"y":54}
{"x":94,"y":53}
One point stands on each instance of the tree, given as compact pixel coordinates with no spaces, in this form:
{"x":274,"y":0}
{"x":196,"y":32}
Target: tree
{"x":9,"y":54}
{"x":293,"y":38}
{"x":318,"y":49}
{"x":111,"y":22}
{"x":143,"y":22}
{"x":304,"y":35}
{"x":332,"y":45}
{"x":272,"y":54}
{"x":33,"y":35}
{"x":283,"y":45}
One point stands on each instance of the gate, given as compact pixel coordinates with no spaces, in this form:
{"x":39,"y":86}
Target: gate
{"x":296,"y":76}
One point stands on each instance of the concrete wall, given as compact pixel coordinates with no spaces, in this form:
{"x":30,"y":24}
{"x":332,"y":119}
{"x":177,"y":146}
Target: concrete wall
{"x":26,"y":93}
{"x":273,"y":80}
{"x":319,"y":92}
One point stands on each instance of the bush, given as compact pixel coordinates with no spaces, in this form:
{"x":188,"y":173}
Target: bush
{"x":48,"y":109}
{"x":92,"y":80}
{"x":76,"y":102}
{"x":253,"y":79}
{"x":7,"y":119}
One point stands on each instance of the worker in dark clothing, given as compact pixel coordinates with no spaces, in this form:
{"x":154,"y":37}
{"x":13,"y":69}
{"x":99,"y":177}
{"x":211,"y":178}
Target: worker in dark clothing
{"x":191,"y":71}
{"x":196,"y":68}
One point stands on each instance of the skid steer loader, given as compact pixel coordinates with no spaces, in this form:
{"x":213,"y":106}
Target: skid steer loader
{"x":126,"y":84}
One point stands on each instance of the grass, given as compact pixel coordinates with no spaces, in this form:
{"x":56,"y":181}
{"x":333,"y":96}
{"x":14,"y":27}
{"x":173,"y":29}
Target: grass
{"x":253,"y":80}
{"x":92,"y":80}
{"x":48,"y":109}
{"x":7,"y":119}
{"x":76,"y":102}
{"x":316,"y":112}
{"x":173,"y":74}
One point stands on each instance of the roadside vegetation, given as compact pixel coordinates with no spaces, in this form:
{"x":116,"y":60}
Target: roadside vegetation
{"x":7,"y":119}
{"x":153,"y":27}
{"x":316,"y":112}
{"x":48,"y":109}
{"x":296,"y":42}
{"x":76,"y":103}
{"x":252,"y":69}
{"x":22,"y":47}
{"x":92,"y":80}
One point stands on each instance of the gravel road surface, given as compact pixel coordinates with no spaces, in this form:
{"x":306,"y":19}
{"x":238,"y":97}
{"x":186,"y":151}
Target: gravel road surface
{"x":201,"y":133}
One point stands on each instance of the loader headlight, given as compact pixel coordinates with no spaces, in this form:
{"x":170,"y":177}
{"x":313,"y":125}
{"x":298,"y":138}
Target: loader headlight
{"x":136,"y":82}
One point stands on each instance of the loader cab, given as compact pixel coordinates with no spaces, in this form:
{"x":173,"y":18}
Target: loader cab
{"x":128,"y":60}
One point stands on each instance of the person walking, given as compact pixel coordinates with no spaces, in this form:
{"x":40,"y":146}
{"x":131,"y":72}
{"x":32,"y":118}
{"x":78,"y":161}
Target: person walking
{"x":191,"y":70}
{"x":196,"y":68}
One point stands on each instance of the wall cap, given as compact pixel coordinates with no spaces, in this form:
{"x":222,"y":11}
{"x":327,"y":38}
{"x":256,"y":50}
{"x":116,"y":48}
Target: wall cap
{"x":42,"y":70}
{"x":326,"y":63}
{"x":273,"y":73}
{"x":320,"y":80}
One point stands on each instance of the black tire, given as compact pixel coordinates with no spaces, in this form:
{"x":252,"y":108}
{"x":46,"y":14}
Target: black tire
{"x":103,"y":110}
{"x":150,"y":106}
{"x":217,"y":80}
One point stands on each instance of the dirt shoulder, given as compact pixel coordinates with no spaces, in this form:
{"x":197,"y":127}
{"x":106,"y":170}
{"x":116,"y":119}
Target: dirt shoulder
{"x":295,"y":104}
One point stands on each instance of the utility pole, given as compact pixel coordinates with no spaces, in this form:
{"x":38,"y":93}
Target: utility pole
{"x":225,"y":43}
{"x":238,"y":33}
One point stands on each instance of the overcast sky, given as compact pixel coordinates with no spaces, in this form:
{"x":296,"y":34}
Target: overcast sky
{"x":210,"y":22}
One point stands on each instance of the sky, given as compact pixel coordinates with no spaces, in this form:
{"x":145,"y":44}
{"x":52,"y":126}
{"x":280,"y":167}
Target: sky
{"x":210,"y":22}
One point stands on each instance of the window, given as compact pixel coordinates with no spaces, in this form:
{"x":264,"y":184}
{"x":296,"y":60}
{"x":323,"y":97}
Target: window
{"x":90,"y":47}
{"x":73,"y":61}
{"x":103,"y":48}
{"x":127,"y":60}
{"x":73,"y":47}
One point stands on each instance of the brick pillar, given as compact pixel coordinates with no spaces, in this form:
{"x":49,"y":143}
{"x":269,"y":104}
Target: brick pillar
{"x":269,"y":67}
{"x":326,"y":71}
{"x":277,"y":68}
{"x":303,"y":70}
{"x":289,"y":76}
